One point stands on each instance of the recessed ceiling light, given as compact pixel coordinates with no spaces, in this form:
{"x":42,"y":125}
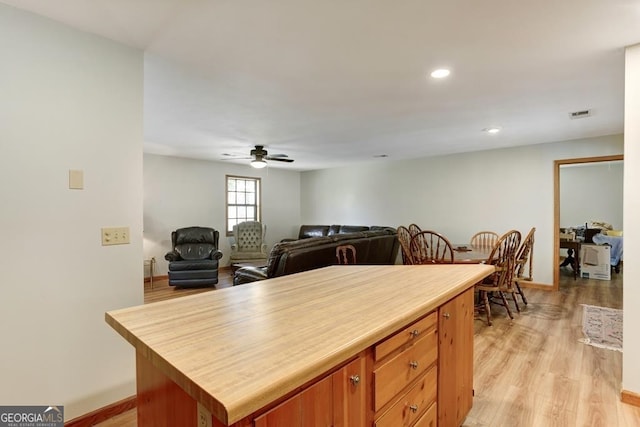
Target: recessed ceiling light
{"x":440,"y":73}
{"x":492,"y":130}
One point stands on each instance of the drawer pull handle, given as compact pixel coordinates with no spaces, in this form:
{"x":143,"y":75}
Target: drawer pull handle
{"x":413,"y":364}
{"x":446,"y":315}
{"x":414,"y":408}
{"x":414,"y":333}
{"x":355,"y":379}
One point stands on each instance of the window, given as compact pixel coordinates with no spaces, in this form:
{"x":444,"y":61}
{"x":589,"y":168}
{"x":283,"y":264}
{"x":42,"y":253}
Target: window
{"x":243,"y":200}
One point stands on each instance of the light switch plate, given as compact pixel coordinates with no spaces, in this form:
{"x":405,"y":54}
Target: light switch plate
{"x":76,"y":179}
{"x":115,"y":236}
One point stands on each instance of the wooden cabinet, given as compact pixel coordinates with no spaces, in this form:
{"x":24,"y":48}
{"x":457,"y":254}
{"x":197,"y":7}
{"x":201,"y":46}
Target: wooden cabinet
{"x":338,"y":399}
{"x":406,"y":374}
{"x":420,"y":376}
{"x":455,"y":347}
{"x":429,"y":419}
{"x":351,"y":391}
{"x":402,"y":355}
{"x":420,"y":397}
{"x":311,"y":407}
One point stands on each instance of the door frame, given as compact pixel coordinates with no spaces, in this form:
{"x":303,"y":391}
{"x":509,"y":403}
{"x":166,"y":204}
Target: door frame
{"x":556,"y":205}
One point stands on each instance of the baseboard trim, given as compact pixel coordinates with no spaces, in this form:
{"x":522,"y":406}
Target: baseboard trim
{"x":630,"y":397}
{"x":155,"y":278}
{"x":103,"y":414}
{"x":535,"y":285}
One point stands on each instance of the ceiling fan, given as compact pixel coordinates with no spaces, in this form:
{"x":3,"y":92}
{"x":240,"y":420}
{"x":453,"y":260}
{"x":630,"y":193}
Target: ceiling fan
{"x":259,"y":157}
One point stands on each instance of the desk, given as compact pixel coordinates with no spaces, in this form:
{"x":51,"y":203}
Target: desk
{"x":238,"y":351}
{"x":575,"y":246}
{"x":473,"y":254}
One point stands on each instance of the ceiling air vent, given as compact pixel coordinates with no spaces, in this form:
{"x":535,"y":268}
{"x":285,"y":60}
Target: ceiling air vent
{"x":580,"y":114}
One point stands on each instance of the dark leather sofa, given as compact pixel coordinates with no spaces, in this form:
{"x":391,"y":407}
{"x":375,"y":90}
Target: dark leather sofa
{"x":373,"y":247}
{"x":308,"y":231}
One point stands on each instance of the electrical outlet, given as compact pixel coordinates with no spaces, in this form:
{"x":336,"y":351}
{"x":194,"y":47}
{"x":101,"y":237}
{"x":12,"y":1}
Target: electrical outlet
{"x":204,"y":416}
{"x":115,"y":236}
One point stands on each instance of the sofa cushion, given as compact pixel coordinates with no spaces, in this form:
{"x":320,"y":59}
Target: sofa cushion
{"x":195,"y":251}
{"x":352,"y":228}
{"x":307,"y":231}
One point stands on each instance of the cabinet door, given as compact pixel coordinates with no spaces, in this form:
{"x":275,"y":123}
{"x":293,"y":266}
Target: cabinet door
{"x":311,"y":407}
{"x":350,"y":385}
{"x":455,"y":346}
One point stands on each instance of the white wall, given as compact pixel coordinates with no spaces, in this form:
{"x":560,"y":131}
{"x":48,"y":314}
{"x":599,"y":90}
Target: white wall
{"x":591,"y":192}
{"x":631,"y":297}
{"x":456,"y":195}
{"x":69,"y":100}
{"x":182,"y":192}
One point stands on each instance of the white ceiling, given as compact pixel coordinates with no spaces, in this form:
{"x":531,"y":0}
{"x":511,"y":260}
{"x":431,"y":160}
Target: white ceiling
{"x":335,"y":82}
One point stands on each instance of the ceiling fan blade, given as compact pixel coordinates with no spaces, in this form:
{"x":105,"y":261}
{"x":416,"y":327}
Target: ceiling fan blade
{"x":279,"y":159}
{"x":278,"y":155}
{"x":234,"y":157}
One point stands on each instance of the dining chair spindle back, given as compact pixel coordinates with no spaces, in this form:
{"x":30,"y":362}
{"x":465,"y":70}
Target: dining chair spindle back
{"x":414,"y":229}
{"x":485,"y":239}
{"x":524,"y":257}
{"x":346,"y":254}
{"x":503,"y":258}
{"x":430,"y":247}
{"x":404,"y":237}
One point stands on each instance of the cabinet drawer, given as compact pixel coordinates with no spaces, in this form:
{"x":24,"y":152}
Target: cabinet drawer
{"x":429,"y":419}
{"x":409,"y":334}
{"x":412,"y":405}
{"x":394,"y":375}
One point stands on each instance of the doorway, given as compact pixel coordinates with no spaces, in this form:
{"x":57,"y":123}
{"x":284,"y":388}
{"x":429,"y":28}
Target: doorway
{"x":556,"y":193}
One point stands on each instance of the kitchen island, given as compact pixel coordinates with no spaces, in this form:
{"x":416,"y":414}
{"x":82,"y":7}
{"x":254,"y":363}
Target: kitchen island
{"x":341,"y":345}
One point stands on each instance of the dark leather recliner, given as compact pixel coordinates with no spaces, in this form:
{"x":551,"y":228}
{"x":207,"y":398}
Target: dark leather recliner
{"x":193,"y":261}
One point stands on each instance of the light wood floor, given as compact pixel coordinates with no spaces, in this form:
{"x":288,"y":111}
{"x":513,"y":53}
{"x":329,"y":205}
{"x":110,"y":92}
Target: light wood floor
{"x":529,"y":372}
{"x":534,"y":372}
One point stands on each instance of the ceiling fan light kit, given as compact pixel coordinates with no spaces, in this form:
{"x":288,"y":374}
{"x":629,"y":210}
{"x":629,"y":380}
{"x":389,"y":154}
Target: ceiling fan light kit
{"x":258,"y":163}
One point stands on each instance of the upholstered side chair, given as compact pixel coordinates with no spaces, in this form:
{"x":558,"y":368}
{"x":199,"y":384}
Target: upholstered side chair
{"x":249,"y":243}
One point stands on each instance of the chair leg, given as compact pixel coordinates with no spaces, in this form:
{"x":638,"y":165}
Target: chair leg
{"x":487,"y":307}
{"x":515,"y":301}
{"x":504,"y":301}
{"x":524,"y":299}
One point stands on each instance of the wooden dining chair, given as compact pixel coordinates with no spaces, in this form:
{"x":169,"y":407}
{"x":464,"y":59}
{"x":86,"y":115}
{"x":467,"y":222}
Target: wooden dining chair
{"x":524,"y":257}
{"x":430,"y":247}
{"x":503,"y":258}
{"x":414,"y":229}
{"x":404,"y":237}
{"x":346,"y":254}
{"x":485,"y":239}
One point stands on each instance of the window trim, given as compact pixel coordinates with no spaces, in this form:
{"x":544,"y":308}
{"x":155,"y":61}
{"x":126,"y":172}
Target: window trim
{"x":258,"y":182}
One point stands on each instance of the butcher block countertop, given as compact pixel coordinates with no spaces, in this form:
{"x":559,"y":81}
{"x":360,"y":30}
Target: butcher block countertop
{"x":237,"y":349}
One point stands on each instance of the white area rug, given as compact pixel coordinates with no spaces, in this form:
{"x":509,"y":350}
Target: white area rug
{"x":602,"y":327}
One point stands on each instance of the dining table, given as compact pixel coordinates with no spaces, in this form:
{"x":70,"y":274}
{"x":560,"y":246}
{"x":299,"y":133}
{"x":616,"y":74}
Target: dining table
{"x":470,"y":254}
{"x":573,"y":258}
